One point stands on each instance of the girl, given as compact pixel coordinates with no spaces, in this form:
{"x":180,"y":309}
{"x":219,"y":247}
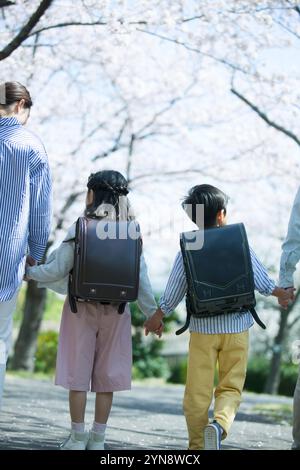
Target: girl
{"x":94,"y":350}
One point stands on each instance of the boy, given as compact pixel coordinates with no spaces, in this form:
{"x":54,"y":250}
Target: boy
{"x":221,"y":339}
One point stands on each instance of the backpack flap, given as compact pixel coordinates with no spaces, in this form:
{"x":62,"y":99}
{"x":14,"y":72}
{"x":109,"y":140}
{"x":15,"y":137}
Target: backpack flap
{"x":107,"y":260}
{"x":219,"y":275}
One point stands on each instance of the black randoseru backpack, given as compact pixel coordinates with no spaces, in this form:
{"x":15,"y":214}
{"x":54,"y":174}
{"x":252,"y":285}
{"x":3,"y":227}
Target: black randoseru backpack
{"x":219,"y":275}
{"x":106,"y":262}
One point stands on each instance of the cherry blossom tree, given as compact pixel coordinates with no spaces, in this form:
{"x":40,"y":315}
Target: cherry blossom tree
{"x":169,"y":92}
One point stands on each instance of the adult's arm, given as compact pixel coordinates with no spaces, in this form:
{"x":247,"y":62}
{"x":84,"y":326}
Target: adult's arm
{"x":291,"y":247}
{"x":40,"y":204}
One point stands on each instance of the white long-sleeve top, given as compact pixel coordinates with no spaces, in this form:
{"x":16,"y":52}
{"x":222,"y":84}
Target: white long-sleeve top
{"x":54,"y":274}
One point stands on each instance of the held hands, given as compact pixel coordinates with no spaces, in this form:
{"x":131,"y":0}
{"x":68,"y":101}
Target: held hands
{"x":29,"y":262}
{"x":155,"y":324}
{"x":285,"y":296}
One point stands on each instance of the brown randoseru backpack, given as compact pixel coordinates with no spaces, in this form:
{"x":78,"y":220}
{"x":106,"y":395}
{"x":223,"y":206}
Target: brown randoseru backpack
{"x":106,"y":262}
{"x":219,"y":275}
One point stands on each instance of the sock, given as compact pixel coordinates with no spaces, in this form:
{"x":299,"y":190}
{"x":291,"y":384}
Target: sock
{"x":77,"y":427}
{"x":99,"y":428}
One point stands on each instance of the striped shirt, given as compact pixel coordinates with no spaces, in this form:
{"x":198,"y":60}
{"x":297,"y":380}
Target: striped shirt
{"x":25,"y":192}
{"x":227,"y":323}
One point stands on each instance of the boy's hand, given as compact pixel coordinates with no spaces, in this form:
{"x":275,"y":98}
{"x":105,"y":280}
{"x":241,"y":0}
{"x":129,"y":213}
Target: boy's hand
{"x":154,"y":324}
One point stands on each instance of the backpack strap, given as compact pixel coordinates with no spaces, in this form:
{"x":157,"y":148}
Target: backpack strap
{"x":72,"y":300}
{"x":189,"y":313}
{"x":256,"y":318}
{"x":186,"y":325}
{"x":251,"y":310}
{"x":121,"y":308}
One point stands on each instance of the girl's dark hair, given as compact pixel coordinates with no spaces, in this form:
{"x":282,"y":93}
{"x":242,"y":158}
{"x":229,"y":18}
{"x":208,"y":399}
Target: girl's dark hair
{"x":213,"y":199}
{"x":11,"y":92}
{"x":108,"y":186}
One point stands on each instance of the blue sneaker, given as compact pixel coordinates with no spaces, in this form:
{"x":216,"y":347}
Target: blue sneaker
{"x":212,"y":436}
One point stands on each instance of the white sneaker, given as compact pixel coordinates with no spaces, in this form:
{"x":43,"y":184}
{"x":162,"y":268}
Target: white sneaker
{"x":76,"y":441}
{"x":96,"y":441}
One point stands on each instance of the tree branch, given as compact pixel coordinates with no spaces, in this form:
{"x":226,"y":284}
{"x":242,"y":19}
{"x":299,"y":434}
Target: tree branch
{"x":6,"y":3}
{"x":138,"y":135}
{"x":265,"y":118}
{"x":116,"y":146}
{"x":287,"y":28}
{"x":66,"y":24}
{"x":195,"y":49}
{"x":193,"y":171}
{"x":259,"y":9}
{"x":25,"y":31}
{"x":192,"y":18}
{"x":291,"y":308}
{"x":99,"y":126}
{"x":82,"y":23}
{"x":69,"y":202}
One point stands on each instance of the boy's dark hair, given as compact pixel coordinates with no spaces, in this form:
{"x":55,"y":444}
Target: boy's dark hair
{"x":108,"y":187}
{"x":213,"y":200}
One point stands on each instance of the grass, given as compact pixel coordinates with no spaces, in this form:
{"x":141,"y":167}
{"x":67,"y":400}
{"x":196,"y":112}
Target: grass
{"x":279,"y":413}
{"x":54,"y":306}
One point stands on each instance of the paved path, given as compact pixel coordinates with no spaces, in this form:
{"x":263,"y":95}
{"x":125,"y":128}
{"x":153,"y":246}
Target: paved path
{"x":35,"y":416}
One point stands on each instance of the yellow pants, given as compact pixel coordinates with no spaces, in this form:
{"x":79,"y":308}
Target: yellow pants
{"x":230,"y":351}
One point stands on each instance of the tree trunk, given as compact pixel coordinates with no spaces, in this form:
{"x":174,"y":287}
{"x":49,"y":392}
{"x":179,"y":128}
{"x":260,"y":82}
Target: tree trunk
{"x":25,"y":345}
{"x":273,"y":380}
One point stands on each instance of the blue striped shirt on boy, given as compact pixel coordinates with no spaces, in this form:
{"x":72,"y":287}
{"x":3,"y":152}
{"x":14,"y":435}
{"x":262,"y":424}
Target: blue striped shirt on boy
{"x":227,"y":323}
{"x":25,"y":208}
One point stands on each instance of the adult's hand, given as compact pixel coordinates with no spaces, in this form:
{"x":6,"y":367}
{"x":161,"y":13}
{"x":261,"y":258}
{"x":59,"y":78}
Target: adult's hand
{"x":30,"y":261}
{"x":287,"y":297}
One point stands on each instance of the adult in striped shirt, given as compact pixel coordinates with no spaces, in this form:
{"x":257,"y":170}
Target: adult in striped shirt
{"x":222,"y":339}
{"x":25,"y":192}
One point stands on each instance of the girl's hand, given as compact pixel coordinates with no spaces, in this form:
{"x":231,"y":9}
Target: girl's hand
{"x":30,"y":261}
{"x":26,"y":277}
